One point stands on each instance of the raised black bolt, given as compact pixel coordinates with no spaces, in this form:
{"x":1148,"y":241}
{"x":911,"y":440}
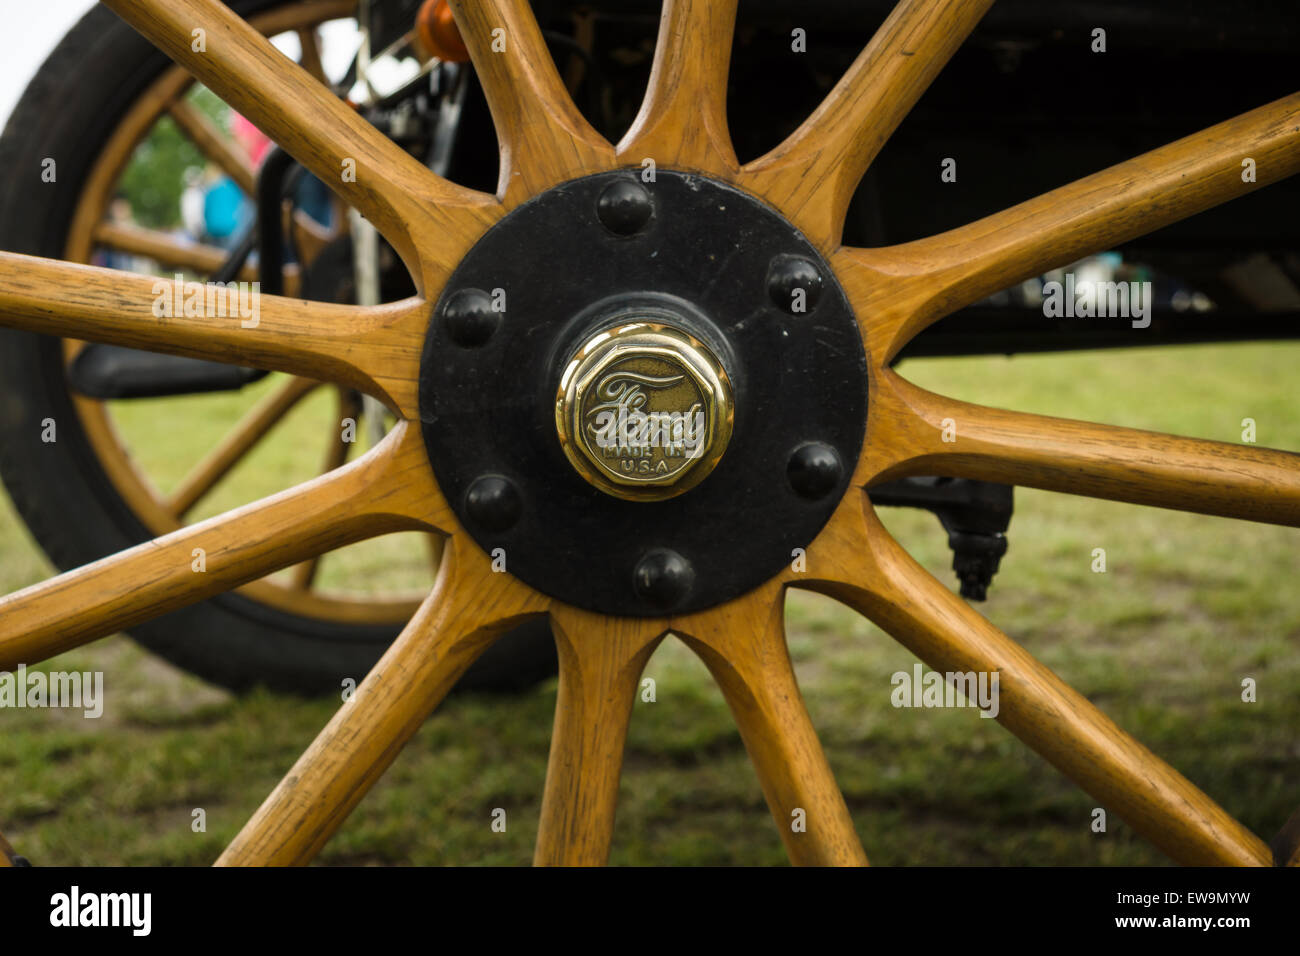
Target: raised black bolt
{"x":493,"y":503}
{"x":794,"y":283}
{"x":814,"y":469}
{"x":663,"y":578}
{"x":624,"y":207}
{"x":470,"y":318}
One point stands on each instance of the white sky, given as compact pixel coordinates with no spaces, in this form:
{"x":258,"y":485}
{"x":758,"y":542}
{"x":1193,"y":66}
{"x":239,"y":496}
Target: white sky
{"x":30,"y":34}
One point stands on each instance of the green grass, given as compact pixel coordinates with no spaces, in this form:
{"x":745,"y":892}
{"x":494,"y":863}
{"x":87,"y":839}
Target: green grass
{"x":291,"y":453}
{"x":1189,"y":606}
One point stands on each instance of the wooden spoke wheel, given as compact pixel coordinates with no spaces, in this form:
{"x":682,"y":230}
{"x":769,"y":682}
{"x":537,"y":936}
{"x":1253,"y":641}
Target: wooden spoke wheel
{"x":405,"y":352}
{"x":145,"y":445}
{"x":172,"y":96}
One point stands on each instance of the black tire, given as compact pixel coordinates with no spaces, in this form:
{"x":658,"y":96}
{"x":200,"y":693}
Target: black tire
{"x":60,"y":489}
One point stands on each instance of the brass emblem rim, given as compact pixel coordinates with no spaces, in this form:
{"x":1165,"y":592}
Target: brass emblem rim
{"x":672,"y":449}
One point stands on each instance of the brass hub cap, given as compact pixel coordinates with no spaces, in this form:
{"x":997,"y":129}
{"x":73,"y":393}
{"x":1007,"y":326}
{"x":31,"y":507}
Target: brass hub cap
{"x":644,"y":411}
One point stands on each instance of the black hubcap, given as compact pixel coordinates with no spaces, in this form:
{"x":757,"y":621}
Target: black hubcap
{"x":689,"y":253}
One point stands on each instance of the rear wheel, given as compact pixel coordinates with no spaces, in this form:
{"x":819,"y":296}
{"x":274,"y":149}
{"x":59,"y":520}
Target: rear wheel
{"x":104,"y":485}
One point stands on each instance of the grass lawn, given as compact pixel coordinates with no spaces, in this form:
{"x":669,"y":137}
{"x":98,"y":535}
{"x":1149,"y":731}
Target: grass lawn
{"x":1188,"y":607}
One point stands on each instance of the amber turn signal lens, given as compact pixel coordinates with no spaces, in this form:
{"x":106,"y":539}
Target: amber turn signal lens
{"x":438,"y":34}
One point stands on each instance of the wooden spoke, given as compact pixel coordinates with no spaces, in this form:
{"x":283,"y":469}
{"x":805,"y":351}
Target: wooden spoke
{"x":743,"y":645}
{"x":601,"y":660}
{"x":1033,"y":703}
{"x":407,"y":203}
{"x":544,"y":138}
{"x":375,"y":349}
{"x":1286,"y":845}
{"x":8,"y":856}
{"x":899,"y":290}
{"x":1100,"y":461}
{"x":166,"y":250}
{"x":214,"y":144}
{"x":434,"y":546}
{"x":812,"y":175}
{"x":310,"y":60}
{"x":387,"y":490}
{"x":683,"y":119}
{"x":336,"y":456}
{"x":250,"y":430}
{"x":469,"y":607}
{"x":309,"y":236}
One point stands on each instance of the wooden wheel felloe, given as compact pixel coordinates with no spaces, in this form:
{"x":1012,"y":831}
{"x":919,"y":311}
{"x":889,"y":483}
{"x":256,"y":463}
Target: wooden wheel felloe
{"x":894,"y":292}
